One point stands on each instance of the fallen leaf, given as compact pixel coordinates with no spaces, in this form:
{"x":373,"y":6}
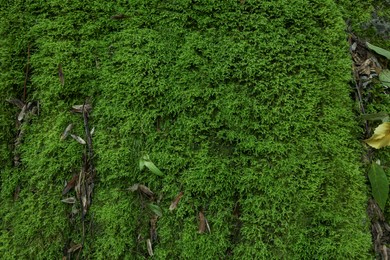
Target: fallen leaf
{"x":153,"y":228}
{"x":66,"y":132}
{"x":381,"y":136}
{"x":16,"y":102}
{"x":118,"y":17}
{"x":92,"y":131}
{"x":149,"y":247}
{"x":145,"y":190}
{"x":61,"y":74}
{"x":70,"y":184}
{"x":379,"y":50}
{"x":156,"y":209}
{"x":70,"y":200}
{"x":202,"y":223}
{"x":79,"y":108}
{"x":78,"y":139}
{"x":175,"y":201}
{"x":22,"y":113}
{"x":74,"y":248}
{"x":379,"y":184}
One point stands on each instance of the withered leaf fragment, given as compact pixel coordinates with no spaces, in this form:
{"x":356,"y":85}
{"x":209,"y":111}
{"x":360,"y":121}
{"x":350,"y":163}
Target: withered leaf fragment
{"x":202,"y":223}
{"x":149,"y":247}
{"x":16,"y":102}
{"x":70,"y":200}
{"x":175,"y":201}
{"x":22,"y":113}
{"x":118,"y":17}
{"x":381,"y":136}
{"x":78,"y":139}
{"x":61,"y":74}
{"x":79,"y":108}
{"x":141,"y":188}
{"x":70,"y":184}
{"x":153,"y":228}
{"x":66,"y":132}
{"x":74,"y":248}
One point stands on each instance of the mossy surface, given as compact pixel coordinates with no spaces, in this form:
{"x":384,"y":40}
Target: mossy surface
{"x":243,"y":105}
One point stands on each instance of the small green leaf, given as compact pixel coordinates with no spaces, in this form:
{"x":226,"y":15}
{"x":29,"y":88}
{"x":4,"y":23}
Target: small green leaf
{"x":376,"y":116}
{"x":379,"y":50}
{"x":153,"y":168}
{"x":156,"y":209}
{"x":384,"y":77}
{"x":379,"y":184}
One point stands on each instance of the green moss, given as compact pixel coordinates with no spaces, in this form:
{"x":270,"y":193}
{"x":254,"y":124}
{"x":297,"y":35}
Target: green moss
{"x":244,"y":107}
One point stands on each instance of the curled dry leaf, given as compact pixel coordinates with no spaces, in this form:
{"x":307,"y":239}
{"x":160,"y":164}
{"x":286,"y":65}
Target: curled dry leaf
{"x":66,"y":132}
{"x":149,"y":247}
{"x":381,"y":136}
{"x":70,"y":200}
{"x":176,"y":201}
{"x":78,"y":139}
{"x":79,"y":108}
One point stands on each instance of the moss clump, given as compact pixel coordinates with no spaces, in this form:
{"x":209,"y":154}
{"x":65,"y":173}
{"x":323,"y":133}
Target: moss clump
{"x":244,"y":106}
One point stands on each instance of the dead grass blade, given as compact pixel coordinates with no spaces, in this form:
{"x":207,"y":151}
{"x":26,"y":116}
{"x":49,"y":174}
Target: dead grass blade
{"x":176,"y":201}
{"x":142,"y":188}
{"x":66,"y":132}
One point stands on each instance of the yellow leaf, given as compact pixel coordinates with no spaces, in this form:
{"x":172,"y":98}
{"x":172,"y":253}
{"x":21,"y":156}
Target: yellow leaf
{"x":381,"y":136}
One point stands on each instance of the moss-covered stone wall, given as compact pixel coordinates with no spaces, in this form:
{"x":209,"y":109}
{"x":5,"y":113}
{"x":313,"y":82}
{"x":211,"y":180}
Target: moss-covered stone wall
{"x":243,"y":105}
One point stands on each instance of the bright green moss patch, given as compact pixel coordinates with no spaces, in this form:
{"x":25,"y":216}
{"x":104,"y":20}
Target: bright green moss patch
{"x":244,"y":106}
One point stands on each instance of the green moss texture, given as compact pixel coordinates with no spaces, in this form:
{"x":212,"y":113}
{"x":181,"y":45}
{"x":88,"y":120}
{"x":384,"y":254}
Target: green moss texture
{"x":243,"y":105}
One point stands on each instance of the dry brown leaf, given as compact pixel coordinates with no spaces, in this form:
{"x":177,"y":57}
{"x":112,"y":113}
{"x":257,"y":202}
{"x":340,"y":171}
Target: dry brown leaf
{"x":66,"y":132}
{"x":118,"y":17}
{"x":78,"y":139}
{"x":381,"y":136}
{"x":175,"y":201}
{"x":70,"y":184}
